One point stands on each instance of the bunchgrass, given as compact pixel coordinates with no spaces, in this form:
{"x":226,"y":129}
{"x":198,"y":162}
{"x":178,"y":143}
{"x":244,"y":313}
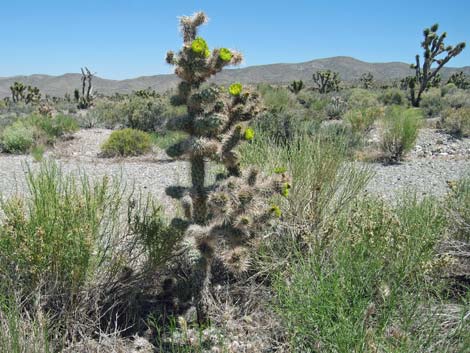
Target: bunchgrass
{"x":374,"y":286}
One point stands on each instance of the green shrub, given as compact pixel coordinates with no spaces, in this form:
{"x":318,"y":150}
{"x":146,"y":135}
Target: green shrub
{"x":400,"y":130}
{"x":393,"y":96}
{"x":277,"y":99}
{"x":431,"y":103}
{"x":362,"y":120}
{"x":457,"y":99}
{"x":369,"y":285}
{"x":126,"y":142}
{"x":19,"y":331}
{"x":49,"y":128}
{"x":54,"y":236}
{"x":318,"y":191}
{"x":359,"y":98}
{"x":449,"y":88}
{"x":458,"y":208}
{"x":456,"y":121}
{"x":18,"y":137}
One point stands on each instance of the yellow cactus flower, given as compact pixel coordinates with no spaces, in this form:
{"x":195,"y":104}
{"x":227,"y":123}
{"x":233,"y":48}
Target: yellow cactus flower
{"x":235,"y":89}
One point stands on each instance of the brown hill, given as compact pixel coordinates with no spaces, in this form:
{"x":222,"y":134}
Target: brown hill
{"x":349,"y":69}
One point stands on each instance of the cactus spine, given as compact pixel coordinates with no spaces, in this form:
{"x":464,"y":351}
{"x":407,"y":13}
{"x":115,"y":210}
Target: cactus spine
{"x":425,"y":75}
{"x":221,"y":220}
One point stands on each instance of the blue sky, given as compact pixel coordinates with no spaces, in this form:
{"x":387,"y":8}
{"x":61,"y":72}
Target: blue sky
{"x":127,"y":38}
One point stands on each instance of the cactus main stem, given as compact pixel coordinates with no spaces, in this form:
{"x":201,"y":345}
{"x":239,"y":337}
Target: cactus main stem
{"x":199,"y":195}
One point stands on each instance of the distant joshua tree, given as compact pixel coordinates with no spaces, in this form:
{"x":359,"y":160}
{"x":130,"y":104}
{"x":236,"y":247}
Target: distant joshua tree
{"x":296,"y":86}
{"x":460,"y":80}
{"x":85,"y":100}
{"x":367,"y":80}
{"x":426,"y":76}
{"x":326,"y":81}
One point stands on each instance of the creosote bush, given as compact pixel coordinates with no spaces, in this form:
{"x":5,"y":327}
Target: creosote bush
{"x":126,"y":142}
{"x":400,"y":130}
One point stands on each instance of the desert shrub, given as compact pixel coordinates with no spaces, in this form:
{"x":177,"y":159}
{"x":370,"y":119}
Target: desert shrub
{"x":167,"y":138}
{"x":105,"y":113}
{"x":458,"y":208}
{"x":393,"y":96}
{"x":369,"y":285}
{"x":400,"y":130}
{"x":18,"y":137}
{"x":431,"y":103}
{"x":126,"y":142}
{"x":277,"y":99}
{"x":359,"y":98}
{"x":457,"y":99}
{"x":318,"y":191}
{"x":281,"y":127}
{"x":362,"y":120}
{"x":144,"y":114}
{"x":20,"y":332}
{"x":52,"y":239}
{"x":456,"y":121}
{"x":336,"y":108}
{"x":449,"y":88}
{"x":49,"y":128}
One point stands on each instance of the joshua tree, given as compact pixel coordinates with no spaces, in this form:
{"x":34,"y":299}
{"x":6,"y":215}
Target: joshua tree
{"x":326,"y":81}
{"x":367,"y":80}
{"x":33,"y":95}
{"x":460,"y":80}
{"x":296,"y":86}
{"x":86,"y":98}
{"x":434,"y":48}
{"x":22,"y":93}
{"x":17,"y":92}
{"x":221,"y":220}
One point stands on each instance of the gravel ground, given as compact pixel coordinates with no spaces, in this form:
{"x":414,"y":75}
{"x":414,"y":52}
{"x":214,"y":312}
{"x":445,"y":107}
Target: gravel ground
{"x":152,"y":173}
{"x":436,"y":160}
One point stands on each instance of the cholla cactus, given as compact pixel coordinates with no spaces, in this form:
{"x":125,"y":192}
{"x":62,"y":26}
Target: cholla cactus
{"x":336,"y":108}
{"x":326,"y":81}
{"x":426,"y":75}
{"x":222,"y":220}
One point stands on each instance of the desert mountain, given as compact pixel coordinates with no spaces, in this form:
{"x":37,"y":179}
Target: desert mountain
{"x":350,"y":69}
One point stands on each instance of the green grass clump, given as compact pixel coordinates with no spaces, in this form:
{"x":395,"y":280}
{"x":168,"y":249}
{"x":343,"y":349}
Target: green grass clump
{"x":54,"y":234}
{"x":20,"y":332}
{"x":393,"y":96}
{"x":17,"y":138}
{"x":168,"y":138}
{"x":368,"y":287}
{"x":126,"y":142}
{"x":362,"y":120}
{"x":400,"y":130}
{"x":49,"y":128}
